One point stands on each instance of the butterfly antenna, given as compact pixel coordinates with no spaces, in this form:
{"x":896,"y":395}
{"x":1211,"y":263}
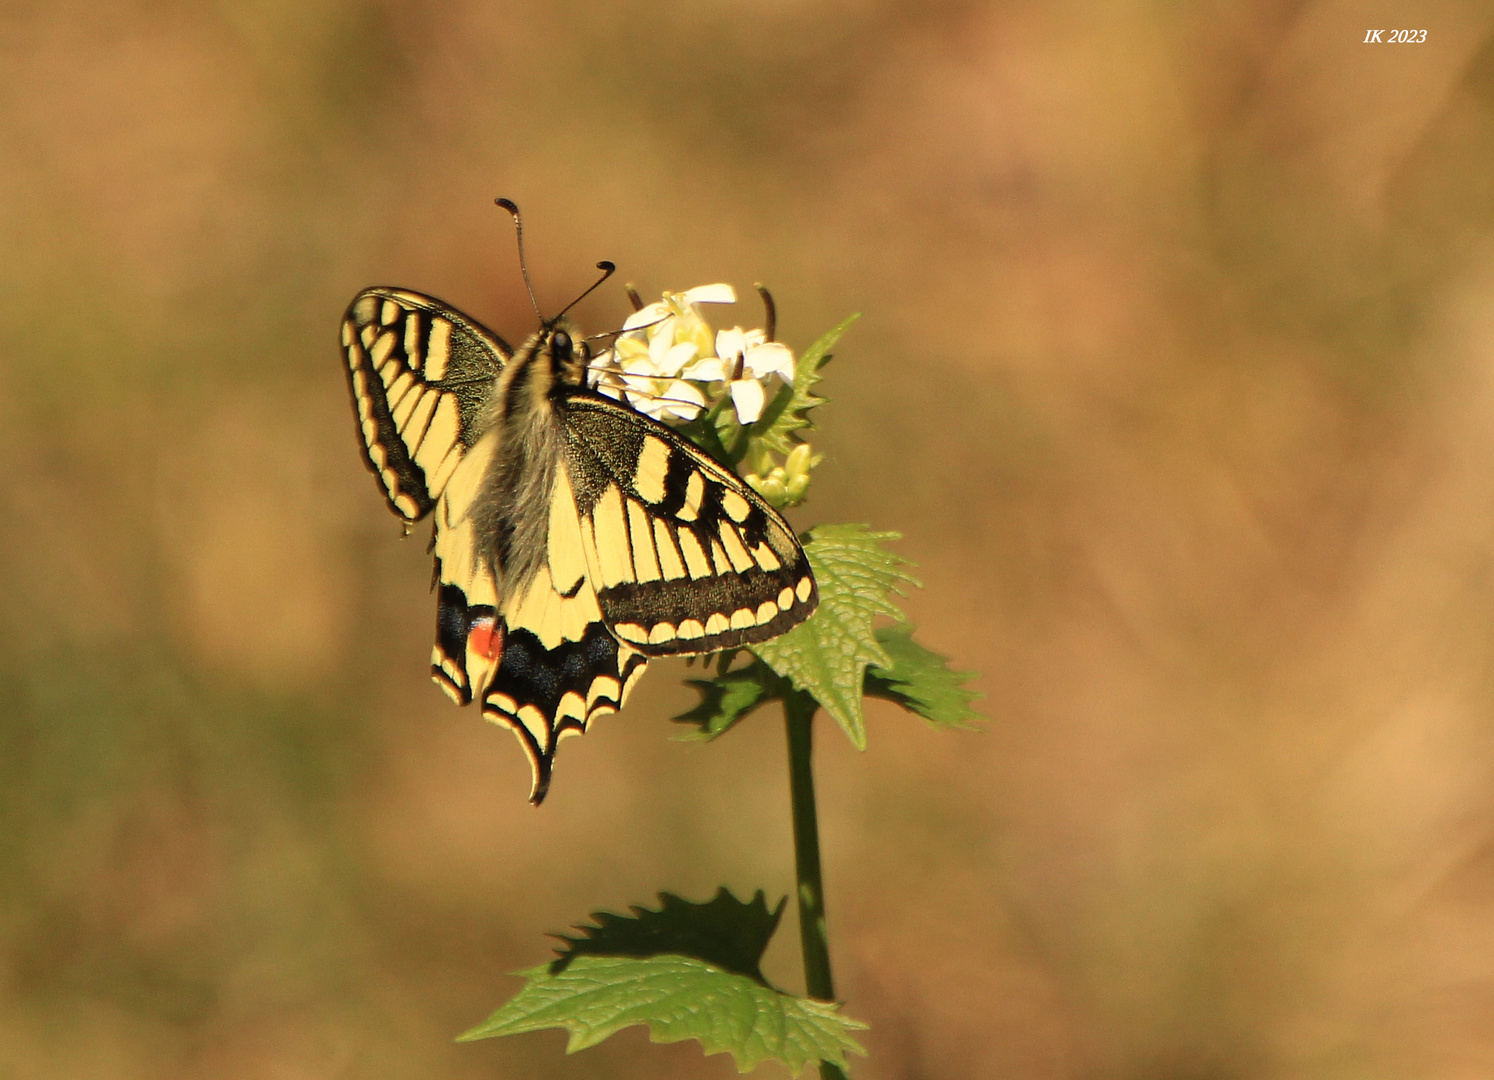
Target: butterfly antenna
{"x":607,"y":270}
{"x":512,"y":208}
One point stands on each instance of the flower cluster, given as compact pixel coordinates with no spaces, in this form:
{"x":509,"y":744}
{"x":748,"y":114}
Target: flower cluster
{"x":668,"y":362}
{"x":782,"y":485}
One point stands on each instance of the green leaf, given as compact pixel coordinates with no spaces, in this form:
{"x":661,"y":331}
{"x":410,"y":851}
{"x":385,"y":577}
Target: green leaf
{"x":688,"y":971}
{"x":678,"y":998}
{"x":729,"y":697}
{"x":918,"y":679}
{"x":827,"y":655}
{"x":788,"y":412}
{"x":724,"y":931}
{"x":921,"y":681}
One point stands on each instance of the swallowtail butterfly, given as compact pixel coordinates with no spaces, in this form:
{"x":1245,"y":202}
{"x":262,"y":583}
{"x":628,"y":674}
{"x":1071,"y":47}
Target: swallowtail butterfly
{"x":574,"y":538}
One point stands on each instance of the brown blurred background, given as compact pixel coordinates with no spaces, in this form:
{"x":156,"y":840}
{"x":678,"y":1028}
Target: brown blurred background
{"x":1176,"y":371}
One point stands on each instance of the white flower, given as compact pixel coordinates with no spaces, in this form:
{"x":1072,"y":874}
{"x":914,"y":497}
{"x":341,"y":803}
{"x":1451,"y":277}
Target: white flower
{"x":760,"y":356}
{"x":662,"y":398}
{"x":645,"y":374}
{"x":681,"y":305}
{"x":750,"y":358}
{"x":662,"y":346}
{"x":666,"y":347}
{"x":677,"y":317}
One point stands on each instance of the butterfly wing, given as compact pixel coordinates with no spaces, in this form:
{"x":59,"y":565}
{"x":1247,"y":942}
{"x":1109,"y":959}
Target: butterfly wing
{"x":556,"y":667}
{"x":468,"y":644}
{"x":421,"y":374}
{"x":684,"y":557}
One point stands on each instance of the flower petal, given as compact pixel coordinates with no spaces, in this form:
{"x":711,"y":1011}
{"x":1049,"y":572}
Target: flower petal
{"x":628,"y":348}
{"x":676,"y":358}
{"x":679,"y":398}
{"x":731,"y":343}
{"x":649,"y":406}
{"x":661,"y":339}
{"x":646,"y":396}
{"x":747,"y":398}
{"x":720,"y":293}
{"x":637,"y":367}
{"x":770,"y":358}
{"x":649,"y":313}
{"x":706,"y":369}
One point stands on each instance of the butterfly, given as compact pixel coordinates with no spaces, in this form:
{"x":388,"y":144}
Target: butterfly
{"x":575,"y":538}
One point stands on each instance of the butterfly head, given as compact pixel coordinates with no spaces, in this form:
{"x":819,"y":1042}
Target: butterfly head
{"x":567,"y":354}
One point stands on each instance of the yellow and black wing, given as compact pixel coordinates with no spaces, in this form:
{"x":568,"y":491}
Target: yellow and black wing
{"x":536,"y":654}
{"x":684,"y":557}
{"x":421,"y":374}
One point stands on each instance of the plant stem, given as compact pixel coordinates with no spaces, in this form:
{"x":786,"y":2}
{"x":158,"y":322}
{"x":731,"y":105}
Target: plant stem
{"x":798,"y":713}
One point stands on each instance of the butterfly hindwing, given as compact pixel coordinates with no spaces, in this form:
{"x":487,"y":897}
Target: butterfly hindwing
{"x":542,"y":691}
{"x":684,"y":556}
{"x":467,"y":590}
{"x":420,"y":374}
{"x":536,"y":654}
{"x":560,"y":667}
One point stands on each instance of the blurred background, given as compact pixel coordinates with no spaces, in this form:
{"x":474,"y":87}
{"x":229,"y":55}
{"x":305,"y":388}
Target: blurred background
{"x":1176,"y":371}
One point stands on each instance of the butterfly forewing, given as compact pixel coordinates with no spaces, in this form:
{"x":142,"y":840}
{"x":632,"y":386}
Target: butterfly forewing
{"x":420,"y":374}
{"x":685,"y":557}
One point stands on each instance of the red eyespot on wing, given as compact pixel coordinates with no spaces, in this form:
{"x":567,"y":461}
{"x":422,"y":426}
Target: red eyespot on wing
{"x":486,"y":639}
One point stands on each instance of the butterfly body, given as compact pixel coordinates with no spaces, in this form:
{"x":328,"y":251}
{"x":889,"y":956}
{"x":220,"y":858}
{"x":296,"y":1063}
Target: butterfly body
{"x":526,"y":423}
{"x":574,"y":537}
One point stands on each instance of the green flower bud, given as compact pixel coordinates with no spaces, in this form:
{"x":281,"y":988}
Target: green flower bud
{"x":798,"y":463}
{"x":772,"y":489}
{"x":759,"y":460}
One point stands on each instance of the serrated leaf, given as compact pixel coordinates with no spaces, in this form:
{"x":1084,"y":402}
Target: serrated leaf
{"x":827,"y":655}
{"x":788,"y":411}
{"x":678,"y":998}
{"x":729,"y":697}
{"x":723,"y":931}
{"x":920,"y":680}
{"x":687,"y":971}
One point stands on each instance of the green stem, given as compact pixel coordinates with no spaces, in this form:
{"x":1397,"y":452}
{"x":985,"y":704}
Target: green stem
{"x":798,"y":712}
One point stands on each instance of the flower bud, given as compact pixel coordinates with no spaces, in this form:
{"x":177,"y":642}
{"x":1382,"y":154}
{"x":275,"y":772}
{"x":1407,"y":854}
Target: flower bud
{"x":797,"y":463}
{"x":759,"y":461}
{"x":795,"y":489}
{"x":772,"y":488}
